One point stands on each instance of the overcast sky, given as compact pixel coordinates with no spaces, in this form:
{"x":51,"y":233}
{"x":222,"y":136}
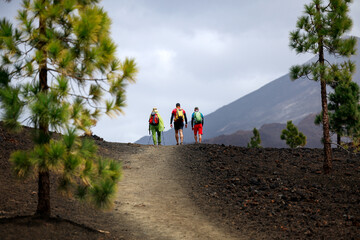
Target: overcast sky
{"x":204,"y":53}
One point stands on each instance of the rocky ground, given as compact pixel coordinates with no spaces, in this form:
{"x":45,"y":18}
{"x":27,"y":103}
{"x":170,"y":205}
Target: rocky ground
{"x":280,"y":192}
{"x":200,"y":191}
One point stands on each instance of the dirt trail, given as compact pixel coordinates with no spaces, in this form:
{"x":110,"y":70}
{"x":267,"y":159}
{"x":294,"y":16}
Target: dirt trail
{"x":152,"y":197}
{"x":202,"y":191}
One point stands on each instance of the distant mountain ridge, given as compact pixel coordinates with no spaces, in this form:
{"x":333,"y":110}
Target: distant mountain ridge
{"x":270,"y":135}
{"x":276,"y":102}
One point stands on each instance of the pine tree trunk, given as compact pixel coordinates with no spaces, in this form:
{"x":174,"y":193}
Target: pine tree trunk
{"x":326,"y":128}
{"x":43,"y":207}
{"x":338,"y":139}
{"x":326,"y":132}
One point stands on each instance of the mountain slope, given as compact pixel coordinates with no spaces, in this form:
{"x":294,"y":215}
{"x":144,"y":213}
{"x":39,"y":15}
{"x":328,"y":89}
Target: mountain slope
{"x":270,"y":135}
{"x":276,"y":102}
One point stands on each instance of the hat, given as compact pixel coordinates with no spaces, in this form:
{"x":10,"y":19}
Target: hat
{"x":155,"y":109}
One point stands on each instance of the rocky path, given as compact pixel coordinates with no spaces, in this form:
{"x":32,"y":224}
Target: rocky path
{"x":153,"y":199}
{"x":194,"y":192}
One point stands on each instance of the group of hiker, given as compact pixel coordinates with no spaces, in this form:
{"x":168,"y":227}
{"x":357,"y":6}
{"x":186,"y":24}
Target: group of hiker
{"x":177,"y":119}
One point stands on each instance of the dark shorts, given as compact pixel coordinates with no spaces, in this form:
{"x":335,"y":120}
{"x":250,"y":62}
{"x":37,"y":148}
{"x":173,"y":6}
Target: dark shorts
{"x":178,"y":125}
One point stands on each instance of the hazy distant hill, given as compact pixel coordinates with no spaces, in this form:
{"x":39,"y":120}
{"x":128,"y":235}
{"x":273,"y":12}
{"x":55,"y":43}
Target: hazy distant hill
{"x":270,"y":135}
{"x":276,"y":102}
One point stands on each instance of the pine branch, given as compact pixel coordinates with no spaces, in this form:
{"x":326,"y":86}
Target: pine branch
{"x":76,"y":77}
{"x":329,"y":63}
{"x":87,"y":99}
{"x":308,"y":77}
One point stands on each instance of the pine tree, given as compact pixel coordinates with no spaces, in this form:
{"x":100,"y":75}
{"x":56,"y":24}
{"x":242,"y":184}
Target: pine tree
{"x":59,"y":68}
{"x":292,"y":136}
{"x":321,"y":30}
{"x":255,"y":140}
{"x":344,"y":111}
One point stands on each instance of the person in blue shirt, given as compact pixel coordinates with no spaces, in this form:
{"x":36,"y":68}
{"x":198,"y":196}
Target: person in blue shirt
{"x":197,"y":123}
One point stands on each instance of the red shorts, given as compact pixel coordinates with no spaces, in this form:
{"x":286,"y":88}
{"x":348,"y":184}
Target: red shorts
{"x":198,"y":128}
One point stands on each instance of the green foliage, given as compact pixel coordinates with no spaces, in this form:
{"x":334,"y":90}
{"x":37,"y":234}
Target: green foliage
{"x":255,"y":140}
{"x":292,"y":136}
{"x":56,"y":152}
{"x":344,"y":110}
{"x":22,"y":165}
{"x":39,"y":157}
{"x":77,"y":45}
{"x":9,"y":101}
{"x":48,"y":109}
{"x":82,"y":172}
{"x":102,"y":192}
{"x":66,"y":60}
{"x":319,"y":31}
{"x":81,"y":192}
{"x":12,"y":107}
{"x":69,"y":138}
{"x":4,"y":78}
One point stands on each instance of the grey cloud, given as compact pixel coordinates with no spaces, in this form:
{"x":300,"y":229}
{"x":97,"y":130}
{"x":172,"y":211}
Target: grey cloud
{"x":205,"y":53}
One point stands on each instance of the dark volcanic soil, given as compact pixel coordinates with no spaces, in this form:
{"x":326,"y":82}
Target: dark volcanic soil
{"x":251,"y":193}
{"x":280,"y":192}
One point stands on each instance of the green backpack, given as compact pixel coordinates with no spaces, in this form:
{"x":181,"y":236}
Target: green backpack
{"x":197,"y":118}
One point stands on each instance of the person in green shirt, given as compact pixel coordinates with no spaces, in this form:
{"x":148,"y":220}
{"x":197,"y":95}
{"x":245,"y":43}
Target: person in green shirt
{"x":156,"y":126}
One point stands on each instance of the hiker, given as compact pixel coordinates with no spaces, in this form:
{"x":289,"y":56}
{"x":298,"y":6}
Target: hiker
{"x":156,"y":125}
{"x":197,"y":123}
{"x":179,"y":115}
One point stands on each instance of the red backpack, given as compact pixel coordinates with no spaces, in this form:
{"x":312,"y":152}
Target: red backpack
{"x":154,"y":119}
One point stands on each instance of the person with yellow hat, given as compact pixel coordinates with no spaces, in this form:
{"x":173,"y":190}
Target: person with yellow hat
{"x":156,"y":126}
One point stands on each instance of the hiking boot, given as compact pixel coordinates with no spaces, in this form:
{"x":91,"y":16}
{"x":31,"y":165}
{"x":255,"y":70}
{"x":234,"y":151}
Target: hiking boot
{"x":159,"y":144}
{"x":181,"y":143}
{"x":177,"y":143}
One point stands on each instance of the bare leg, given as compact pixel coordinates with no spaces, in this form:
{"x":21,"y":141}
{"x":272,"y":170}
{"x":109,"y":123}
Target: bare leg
{"x":195,"y":137}
{"x":200,"y":138}
{"x":181,"y":136}
{"x":177,"y":136}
